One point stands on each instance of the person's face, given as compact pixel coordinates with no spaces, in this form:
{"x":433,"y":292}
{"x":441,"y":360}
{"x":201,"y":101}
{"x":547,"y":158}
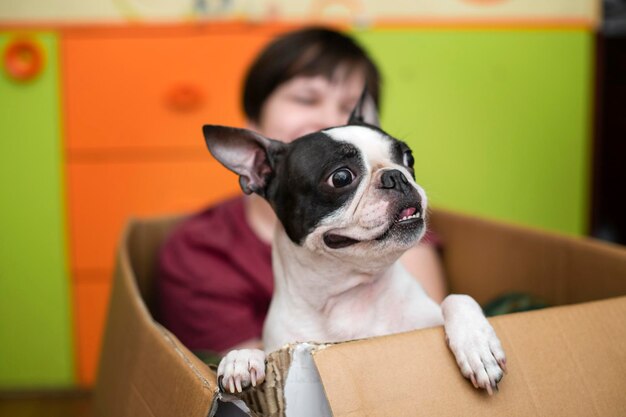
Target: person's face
{"x":304,"y":105}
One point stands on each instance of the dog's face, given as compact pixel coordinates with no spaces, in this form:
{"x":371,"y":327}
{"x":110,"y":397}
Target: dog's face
{"x":347,"y":190}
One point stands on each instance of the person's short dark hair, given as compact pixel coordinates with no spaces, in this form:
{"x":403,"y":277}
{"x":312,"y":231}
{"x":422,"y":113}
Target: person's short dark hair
{"x":306,"y":52}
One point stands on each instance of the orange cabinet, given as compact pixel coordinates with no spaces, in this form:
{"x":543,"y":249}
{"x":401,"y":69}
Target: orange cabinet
{"x":91,"y":296}
{"x":135,"y":101}
{"x":101,"y":197}
{"x":154,"y":88}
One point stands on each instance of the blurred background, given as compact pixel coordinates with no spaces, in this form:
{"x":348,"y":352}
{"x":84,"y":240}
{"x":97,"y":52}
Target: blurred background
{"x":515,"y":110}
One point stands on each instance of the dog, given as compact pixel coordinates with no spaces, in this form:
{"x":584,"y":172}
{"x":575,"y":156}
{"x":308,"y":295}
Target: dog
{"x":348,"y":207}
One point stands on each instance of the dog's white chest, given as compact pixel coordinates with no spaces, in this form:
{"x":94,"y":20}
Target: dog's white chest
{"x":392,"y":303}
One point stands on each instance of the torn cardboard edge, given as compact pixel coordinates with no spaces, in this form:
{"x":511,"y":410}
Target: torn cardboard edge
{"x":291,"y":377}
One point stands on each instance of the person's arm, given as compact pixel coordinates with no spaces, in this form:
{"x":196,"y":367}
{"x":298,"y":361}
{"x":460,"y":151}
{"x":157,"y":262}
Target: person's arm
{"x":422,"y":261}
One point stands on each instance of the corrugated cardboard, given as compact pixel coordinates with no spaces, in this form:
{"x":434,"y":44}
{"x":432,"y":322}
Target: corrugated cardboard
{"x":144,"y":370}
{"x":566,"y":361}
{"x":562,"y":361}
{"x":486,"y":259}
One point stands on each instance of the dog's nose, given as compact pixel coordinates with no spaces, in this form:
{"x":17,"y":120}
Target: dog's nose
{"x":393,"y":179}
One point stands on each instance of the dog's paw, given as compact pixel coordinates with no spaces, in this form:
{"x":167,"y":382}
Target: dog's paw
{"x":240,"y":369}
{"x":473,"y":342}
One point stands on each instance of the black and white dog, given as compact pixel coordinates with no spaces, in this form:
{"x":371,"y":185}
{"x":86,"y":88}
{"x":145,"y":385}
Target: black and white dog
{"x":348,"y":208}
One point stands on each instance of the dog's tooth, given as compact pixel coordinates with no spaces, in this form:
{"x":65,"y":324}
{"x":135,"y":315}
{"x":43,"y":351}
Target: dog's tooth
{"x":411,"y":217}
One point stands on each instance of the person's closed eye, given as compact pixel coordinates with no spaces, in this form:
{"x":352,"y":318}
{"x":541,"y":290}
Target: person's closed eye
{"x":305,"y":100}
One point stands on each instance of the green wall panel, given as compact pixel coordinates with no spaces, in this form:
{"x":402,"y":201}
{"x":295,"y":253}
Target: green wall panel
{"x":35,"y":330}
{"x":499,"y":120}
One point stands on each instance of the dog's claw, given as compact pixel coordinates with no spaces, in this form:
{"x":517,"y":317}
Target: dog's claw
{"x":240,"y":369}
{"x":502,"y":363}
{"x":473,"y":379}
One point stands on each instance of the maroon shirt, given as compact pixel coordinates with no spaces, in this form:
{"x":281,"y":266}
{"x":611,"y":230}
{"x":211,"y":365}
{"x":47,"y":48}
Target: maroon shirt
{"x":215,"y":279}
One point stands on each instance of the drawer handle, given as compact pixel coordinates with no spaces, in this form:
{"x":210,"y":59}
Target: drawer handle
{"x":184,"y":98}
{"x":23,"y":59}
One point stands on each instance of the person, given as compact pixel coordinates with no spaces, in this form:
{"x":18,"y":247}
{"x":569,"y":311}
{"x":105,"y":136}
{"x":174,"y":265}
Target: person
{"x":214,"y":282}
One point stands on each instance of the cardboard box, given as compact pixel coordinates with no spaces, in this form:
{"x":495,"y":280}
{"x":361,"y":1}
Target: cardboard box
{"x":568,"y":360}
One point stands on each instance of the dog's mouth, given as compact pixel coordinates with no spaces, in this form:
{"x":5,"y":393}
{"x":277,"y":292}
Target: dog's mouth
{"x":335,"y":241}
{"x":407,"y":216}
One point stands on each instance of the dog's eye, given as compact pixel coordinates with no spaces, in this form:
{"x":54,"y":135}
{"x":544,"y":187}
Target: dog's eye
{"x":341,"y":178}
{"x":407,"y":159}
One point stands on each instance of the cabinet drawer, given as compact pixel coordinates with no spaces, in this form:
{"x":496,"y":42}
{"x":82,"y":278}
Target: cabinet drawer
{"x":103,"y":195}
{"x":153,"y":88}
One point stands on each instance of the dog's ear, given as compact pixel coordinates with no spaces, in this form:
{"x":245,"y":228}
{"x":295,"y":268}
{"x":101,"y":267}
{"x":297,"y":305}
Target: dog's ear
{"x":365,"y":111}
{"x":246,"y":153}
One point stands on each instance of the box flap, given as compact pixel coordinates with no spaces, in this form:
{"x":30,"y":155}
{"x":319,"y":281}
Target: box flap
{"x":568,"y":361}
{"x":486,"y":259}
{"x":144,"y":369}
